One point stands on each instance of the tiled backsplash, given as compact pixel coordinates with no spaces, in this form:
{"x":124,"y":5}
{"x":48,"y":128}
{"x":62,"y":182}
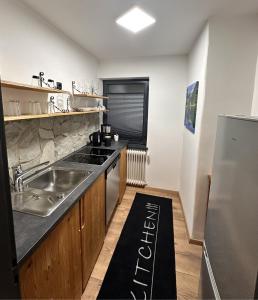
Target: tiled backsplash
{"x":34,"y":141}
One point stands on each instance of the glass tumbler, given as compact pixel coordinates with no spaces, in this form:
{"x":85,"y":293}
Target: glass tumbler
{"x":37,"y":108}
{"x":51,"y":83}
{"x":13,"y":108}
{"x":26,"y":108}
{"x":44,"y":107}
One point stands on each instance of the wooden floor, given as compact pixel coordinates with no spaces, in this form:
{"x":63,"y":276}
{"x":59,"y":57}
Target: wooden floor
{"x":188,"y":256}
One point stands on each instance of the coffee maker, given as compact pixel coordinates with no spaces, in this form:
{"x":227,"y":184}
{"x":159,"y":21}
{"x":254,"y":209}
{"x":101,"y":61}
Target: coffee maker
{"x":106,"y":135}
{"x":106,"y":129}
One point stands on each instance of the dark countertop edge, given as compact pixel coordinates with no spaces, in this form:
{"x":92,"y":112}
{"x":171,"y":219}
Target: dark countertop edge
{"x":97,"y":172}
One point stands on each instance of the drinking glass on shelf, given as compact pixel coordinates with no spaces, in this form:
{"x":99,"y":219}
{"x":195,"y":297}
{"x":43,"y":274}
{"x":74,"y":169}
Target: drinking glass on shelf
{"x":44,"y":107}
{"x":37,"y":108}
{"x":31,"y":108}
{"x":13,"y":108}
{"x":51,"y":83}
{"x":25,"y":107}
{"x":5,"y":108}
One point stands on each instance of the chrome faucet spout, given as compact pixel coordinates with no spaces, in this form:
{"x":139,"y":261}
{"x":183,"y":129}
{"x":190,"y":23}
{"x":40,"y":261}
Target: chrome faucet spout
{"x":19,"y":174}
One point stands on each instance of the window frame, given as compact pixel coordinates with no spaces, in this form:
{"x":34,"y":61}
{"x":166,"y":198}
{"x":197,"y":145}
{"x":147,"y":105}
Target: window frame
{"x":145,"y":82}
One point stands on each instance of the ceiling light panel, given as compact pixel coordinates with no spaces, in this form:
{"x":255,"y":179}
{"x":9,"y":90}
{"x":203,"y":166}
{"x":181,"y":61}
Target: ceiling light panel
{"x":135,"y":20}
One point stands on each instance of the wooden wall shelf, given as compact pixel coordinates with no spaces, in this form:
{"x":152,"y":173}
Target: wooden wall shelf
{"x":30,"y":117}
{"x":90,"y":96}
{"x":21,"y":86}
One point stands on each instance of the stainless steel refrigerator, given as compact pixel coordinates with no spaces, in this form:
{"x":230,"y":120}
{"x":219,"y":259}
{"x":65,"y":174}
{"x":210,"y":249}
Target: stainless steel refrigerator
{"x":230,"y":256}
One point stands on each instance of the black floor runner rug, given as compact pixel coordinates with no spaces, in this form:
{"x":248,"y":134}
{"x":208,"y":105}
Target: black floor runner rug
{"x":143,"y":264}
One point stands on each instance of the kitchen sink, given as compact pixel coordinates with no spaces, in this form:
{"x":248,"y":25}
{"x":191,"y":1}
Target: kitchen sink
{"x":58,"y":180}
{"x":44,"y":192}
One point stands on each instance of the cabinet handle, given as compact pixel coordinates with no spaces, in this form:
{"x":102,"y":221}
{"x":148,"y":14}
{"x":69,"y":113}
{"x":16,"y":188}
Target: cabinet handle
{"x":82,"y":215}
{"x":83,"y":224}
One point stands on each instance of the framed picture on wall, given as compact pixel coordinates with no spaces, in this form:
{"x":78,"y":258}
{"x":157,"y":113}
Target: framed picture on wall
{"x":191,"y":106}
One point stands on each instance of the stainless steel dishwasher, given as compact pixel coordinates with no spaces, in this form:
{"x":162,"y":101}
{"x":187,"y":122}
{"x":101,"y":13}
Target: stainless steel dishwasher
{"x":112,"y":188}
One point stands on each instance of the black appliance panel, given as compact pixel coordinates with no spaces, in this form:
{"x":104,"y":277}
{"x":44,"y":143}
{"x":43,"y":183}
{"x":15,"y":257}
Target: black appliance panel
{"x":87,"y":159}
{"x":96,"y":151}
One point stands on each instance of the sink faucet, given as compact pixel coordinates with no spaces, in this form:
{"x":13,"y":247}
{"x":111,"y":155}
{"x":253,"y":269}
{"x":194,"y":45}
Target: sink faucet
{"x":19,"y":174}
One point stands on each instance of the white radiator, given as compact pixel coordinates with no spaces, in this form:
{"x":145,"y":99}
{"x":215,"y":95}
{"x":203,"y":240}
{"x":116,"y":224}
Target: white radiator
{"x":136,"y":167}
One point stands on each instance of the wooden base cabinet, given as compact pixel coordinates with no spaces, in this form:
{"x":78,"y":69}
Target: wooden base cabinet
{"x":61,"y":266}
{"x":123,"y":173}
{"x":54,"y":269}
{"x":92,"y":210}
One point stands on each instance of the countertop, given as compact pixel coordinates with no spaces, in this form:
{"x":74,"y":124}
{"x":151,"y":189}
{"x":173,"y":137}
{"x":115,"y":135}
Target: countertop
{"x":31,"y":230}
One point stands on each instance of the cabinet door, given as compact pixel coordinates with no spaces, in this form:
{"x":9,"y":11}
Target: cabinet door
{"x":123,"y":174}
{"x":92,"y":226}
{"x":54,"y":269}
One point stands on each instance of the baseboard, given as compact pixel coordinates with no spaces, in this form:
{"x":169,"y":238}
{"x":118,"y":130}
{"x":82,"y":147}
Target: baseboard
{"x":191,"y":240}
{"x":196,"y":242}
{"x":173,"y":193}
{"x":149,"y":188}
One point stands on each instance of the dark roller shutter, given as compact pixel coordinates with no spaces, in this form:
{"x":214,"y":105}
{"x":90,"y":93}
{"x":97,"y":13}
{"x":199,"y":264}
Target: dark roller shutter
{"x":128,"y":109}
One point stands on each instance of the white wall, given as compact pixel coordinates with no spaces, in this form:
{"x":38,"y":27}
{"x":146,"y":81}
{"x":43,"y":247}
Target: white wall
{"x":230,"y":84}
{"x":29,"y":45}
{"x":231,"y":63}
{"x":197,"y":64}
{"x":166,"y":111}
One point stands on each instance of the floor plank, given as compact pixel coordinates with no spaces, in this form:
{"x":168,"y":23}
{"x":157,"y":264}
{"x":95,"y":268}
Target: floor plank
{"x":188,"y":256}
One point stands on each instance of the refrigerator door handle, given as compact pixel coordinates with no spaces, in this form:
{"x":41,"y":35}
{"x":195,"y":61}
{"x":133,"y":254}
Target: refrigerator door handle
{"x":212,"y":278}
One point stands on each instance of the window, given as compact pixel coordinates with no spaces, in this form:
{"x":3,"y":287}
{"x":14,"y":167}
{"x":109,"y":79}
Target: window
{"x":128,"y":108}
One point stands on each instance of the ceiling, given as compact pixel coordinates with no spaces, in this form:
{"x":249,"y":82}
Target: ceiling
{"x":91,"y":23}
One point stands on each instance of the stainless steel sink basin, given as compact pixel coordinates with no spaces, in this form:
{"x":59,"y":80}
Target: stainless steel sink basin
{"x":58,"y":180}
{"x":45,"y":191}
